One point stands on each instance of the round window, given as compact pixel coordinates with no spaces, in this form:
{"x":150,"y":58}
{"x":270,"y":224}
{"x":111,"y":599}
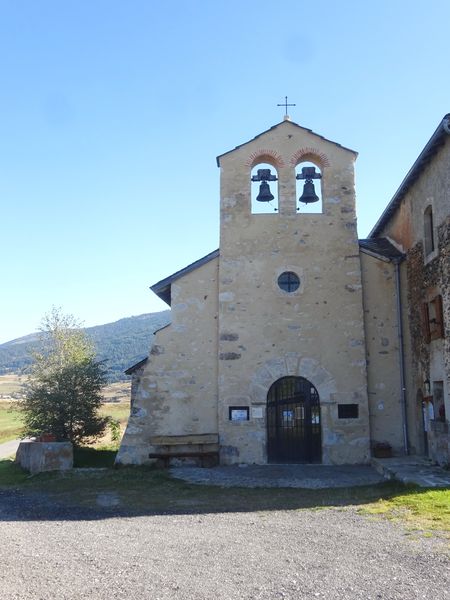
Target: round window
{"x":288,"y":281}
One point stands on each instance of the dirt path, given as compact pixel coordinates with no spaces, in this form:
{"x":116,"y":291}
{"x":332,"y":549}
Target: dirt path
{"x":331,"y":554}
{"x":9,"y":448}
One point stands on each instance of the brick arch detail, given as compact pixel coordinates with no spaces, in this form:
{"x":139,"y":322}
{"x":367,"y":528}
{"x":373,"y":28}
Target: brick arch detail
{"x":310,"y":154}
{"x":292,"y":364}
{"x":265,"y":155}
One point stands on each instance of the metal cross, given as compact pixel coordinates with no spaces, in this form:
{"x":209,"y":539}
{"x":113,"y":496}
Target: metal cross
{"x":285,"y":104}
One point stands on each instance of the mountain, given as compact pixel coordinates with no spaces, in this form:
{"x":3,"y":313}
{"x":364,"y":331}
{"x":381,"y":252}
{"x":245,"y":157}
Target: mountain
{"x":120,"y":344}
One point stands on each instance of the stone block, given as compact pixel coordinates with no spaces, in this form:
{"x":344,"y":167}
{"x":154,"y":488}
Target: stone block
{"x":45,"y":456}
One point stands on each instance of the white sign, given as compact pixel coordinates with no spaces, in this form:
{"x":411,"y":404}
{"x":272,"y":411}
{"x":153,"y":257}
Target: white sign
{"x":257,"y":412}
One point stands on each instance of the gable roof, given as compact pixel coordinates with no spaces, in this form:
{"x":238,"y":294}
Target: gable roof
{"x":278,"y":125}
{"x":162,"y":288}
{"x":435,"y":142}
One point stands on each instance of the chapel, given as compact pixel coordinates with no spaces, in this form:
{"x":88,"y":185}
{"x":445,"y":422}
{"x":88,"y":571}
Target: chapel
{"x":295,"y":341}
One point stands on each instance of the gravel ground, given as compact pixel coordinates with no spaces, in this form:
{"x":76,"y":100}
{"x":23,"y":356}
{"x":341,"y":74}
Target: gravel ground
{"x":329,"y":553}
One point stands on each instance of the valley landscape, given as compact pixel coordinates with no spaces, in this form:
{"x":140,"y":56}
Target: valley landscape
{"x":12,"y":388}
{"x":120,"y":345}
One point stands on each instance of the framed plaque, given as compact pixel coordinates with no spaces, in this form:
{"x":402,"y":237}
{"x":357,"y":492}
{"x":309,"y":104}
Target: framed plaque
{"x":238,"y":413}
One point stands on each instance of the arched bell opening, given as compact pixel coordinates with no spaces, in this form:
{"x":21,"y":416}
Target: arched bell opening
{"x":264,"y":189}
{"x":308,"y":187}
{"x":294,"y":433}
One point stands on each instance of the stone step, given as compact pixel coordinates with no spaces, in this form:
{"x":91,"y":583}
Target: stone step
{"x":416,"y":470}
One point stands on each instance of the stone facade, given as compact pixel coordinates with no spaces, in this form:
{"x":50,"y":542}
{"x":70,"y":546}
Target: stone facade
{"x":315,"y":332}
{"x":382,"y":346}
{"x":419,"y":225}
{"x":237,"y":334}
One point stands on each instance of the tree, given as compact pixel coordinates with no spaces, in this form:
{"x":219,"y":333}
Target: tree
{"x":66,"y":381}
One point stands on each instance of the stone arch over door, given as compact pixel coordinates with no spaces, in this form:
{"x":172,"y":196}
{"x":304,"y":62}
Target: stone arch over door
{"x":294,"y":364}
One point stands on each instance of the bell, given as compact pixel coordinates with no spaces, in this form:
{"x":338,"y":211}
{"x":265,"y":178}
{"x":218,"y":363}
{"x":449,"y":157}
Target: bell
{"x":309,"y":193}
{"x":265,"y":194}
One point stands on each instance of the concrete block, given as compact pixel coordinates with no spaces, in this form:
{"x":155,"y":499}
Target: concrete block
{"x":45,"y":456}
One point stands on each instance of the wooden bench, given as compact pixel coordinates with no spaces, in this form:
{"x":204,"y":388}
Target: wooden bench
{"x":204,"y":447}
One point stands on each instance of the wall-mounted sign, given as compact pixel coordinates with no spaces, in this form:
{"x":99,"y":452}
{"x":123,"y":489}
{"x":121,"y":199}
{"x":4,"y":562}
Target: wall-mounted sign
{"x":257,"y":412}
{"x":238,"y":413}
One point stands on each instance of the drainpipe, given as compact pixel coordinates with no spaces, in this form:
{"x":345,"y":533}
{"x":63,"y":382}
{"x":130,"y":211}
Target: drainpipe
{"x":401,"y":358}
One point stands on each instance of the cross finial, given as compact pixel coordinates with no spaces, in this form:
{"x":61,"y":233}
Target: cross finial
{"x":285,"y":104}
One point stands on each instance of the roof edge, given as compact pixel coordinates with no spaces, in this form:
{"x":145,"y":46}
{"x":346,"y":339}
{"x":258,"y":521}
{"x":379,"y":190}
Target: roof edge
{"x":430,"y":148}
{"x":381,"y":248}
{"x":278,"y":125}
{"x":162,"y":288}
{"x":136,"y":366}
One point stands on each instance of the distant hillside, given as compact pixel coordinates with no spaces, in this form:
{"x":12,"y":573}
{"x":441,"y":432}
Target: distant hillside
{"x":121,"y":344}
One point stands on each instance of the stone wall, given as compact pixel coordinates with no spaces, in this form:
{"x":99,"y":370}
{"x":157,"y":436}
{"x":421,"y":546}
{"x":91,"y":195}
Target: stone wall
{"x":177,"y":391}
{"x":439,"y":442}
{"x":382,"y":347}
{"x":425,"y":277}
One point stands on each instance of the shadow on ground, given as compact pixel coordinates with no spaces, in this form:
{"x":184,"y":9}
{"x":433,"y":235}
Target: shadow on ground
{"x":92,"y":494}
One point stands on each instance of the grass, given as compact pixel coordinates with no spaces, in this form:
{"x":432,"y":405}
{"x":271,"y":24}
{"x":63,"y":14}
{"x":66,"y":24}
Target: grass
{"x":10,"y":422}
{"x":118,"y":410}
{"x":95,"y":457}
{"x":424,"y":510}
{"x":12,"y":384}
{"x":11,"y":475}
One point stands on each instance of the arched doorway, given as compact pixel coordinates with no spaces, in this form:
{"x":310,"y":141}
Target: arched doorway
{"x":293,"y":422}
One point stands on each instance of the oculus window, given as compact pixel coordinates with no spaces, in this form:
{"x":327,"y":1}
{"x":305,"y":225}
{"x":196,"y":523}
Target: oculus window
{"x":288,"y":281}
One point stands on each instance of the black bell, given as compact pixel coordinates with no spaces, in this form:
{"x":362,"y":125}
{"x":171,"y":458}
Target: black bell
{"x":309,"y":193}
{"x":265,"y":194}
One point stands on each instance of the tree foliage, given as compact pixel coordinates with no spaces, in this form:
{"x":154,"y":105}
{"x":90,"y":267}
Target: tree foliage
{"x":66,"y":382}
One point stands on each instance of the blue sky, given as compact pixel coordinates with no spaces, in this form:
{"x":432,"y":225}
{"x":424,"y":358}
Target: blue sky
{"x":112,"y":114}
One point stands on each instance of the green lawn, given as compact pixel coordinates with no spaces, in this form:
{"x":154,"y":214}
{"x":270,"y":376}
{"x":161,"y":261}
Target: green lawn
{"x":424,"y":510}
{"x":10,"y":422}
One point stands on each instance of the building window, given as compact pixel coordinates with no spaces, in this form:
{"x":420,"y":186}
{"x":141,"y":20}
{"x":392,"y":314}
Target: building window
{"x":348,"y":411}
{"x":428,"y":230}
{"x":288,"y":281}
{"x":432,"y":319}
